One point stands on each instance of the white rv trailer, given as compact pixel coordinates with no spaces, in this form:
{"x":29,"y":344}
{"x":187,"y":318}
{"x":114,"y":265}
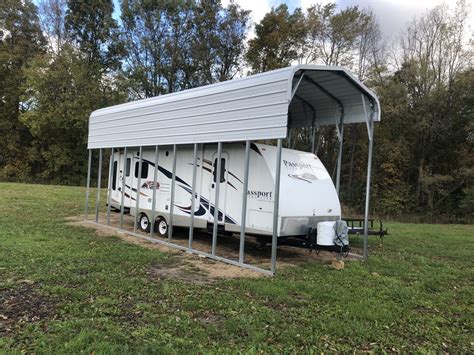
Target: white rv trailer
{"x":308,"y":195}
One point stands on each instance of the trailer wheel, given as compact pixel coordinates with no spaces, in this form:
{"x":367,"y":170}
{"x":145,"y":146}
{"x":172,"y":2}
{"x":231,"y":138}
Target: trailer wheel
{"x":161,"y":227}
{"x":144,"y":223}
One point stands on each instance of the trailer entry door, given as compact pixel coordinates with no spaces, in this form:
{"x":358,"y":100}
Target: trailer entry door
{"x":222,"y":180}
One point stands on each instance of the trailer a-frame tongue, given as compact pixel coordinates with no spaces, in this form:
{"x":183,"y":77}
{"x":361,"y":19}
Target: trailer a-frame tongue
{"x":265,"y":106}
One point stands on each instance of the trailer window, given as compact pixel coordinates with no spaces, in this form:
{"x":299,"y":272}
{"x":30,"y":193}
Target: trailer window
{"x":115,"y":177}
{"x":127,"y":169}
{"x":222,"y":169}
{"x":144,"y":170}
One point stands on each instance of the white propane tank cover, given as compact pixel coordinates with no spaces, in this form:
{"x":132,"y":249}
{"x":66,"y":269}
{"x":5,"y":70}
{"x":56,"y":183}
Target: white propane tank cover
{"x":326,"y":233}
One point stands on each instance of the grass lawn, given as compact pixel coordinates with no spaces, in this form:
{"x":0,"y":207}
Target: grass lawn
{"x":65,"y":289}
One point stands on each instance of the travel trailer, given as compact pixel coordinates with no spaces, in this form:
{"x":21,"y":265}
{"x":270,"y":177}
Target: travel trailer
{"x":307,"y":193}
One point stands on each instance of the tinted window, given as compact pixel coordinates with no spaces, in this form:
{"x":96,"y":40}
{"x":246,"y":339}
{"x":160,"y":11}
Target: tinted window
{"x":115,"y":177}
{"x":128,"y":167}
{"x":222,"y":169}
{"x":144,"y":170}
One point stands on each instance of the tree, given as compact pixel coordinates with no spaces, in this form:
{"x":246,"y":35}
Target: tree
{"x":52,"y":18}
{"x":173,"y":45}
{"x":61,"y":96}
{"x":278,"y":41}
{"x":20,"y":40}
{"x":145,"y":29}
{"x":332,"y":37}
{"x":434,"y":59}
{"x":218,"y":41}
{"x":90,"y":24}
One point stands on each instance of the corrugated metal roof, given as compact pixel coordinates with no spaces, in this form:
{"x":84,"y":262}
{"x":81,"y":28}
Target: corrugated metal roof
{"x":249,"y":108}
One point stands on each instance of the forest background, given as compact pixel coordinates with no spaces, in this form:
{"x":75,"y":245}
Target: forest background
{"x":62,"y":59}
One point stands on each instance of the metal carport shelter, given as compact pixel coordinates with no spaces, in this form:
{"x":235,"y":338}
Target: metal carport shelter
{"x":262,"y":106}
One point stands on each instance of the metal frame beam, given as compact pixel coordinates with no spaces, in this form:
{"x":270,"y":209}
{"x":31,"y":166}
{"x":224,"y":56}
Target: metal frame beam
{"x":153,"y":201}
{"x":109,"y":188}
{"x":122,"y":198}
{"x":139,"y":182}
{"x":370,"y":130}
{"x":293,"y":92}
{"x":173,"y":187}
{"x":216,"y":201}
{"x":276,"y":206}
{"x":193,"y":197}
{"x":340,"y":136}
{"x":99,"y":175}
{"x":86,"y":209}
{"x":243,"y":220}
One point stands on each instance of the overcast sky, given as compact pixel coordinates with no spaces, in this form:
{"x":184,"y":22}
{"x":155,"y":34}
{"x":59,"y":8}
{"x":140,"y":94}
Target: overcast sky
{"x":392,"y":15}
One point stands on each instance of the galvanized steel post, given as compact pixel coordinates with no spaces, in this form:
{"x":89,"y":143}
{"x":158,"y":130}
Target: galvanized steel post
{"x":276,"y":207}
{"x":193,"y":197}
{"x":153,"y":202}
{"x":173,"y":183}
{"x":139,"y":182}
{"x":243,"y":220}
{"x":370,"y":132}
{"x":98,"y":187}
{"x":88,"y":183}
{"x":122,"y":198}
{"x":340,"y":134}
{"x":109,"y":189}
{"x":367,"y":193}
{"x":216,"y":202}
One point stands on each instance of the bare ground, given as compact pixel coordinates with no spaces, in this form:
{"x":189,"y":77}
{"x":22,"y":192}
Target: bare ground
{"x":22,"y":305}
{"x":200,"y":270}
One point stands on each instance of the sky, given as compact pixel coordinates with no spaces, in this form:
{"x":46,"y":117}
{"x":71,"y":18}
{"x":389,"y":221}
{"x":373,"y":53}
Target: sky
{"x":392,"y":15}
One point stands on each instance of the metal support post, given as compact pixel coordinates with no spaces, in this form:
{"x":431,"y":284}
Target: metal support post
{"x":193,"y":197}
{"x":109,"y":189}
{"x":88,"y":183}
{"x":370,"y":131}
{"x":276,"y":206}
{"x":216,"y":202}
{"x":340,"y":135}
{"x":153,"y":201}
{"x":173,"y":183}
{"x":243,"y":220}
{"x":122,"y":198}
{"x":139,"y":182}
{"x":97,"y":199}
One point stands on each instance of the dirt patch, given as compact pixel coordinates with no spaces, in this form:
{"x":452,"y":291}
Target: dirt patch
{"x":208,"y":318}
{"x":104,"y":231}
{"x":22,"y":305}
{"x":181,"y":272}
{"x":198,"y":270}
{"x":206,"y":270}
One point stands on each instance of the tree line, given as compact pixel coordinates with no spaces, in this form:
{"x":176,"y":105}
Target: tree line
{"x":63,"y":59}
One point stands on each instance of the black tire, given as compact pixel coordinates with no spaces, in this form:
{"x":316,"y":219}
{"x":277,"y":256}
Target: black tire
{"x":161,"y":227}
{"x":144,"y":223}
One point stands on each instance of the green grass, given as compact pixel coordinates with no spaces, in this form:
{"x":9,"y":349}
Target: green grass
{"x":95,"y":294}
